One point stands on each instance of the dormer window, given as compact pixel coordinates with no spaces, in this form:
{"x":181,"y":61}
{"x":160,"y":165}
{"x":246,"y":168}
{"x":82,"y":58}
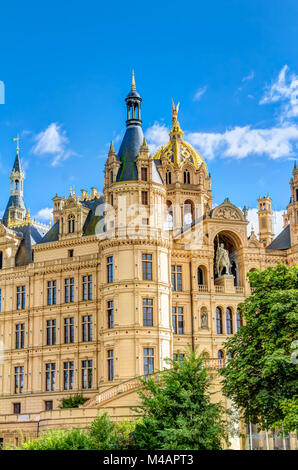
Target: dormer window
{"x":144,"y":174}
{"x":71,"y":224}
{"x":186,"y":177}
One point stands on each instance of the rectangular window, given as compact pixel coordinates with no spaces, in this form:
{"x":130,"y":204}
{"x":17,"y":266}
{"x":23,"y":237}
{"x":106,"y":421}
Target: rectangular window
{"x":111,"y":314}
{"x":17,"y":408}
{"x":147,"y":267}
{"x":48,"y":405}
{"x":51,"y":332}
{"x":148,"y":361}
{"x":21,"y":297}
{"x":145,"y":198}
{"x":110,"y":269}
{"x":50,"y":377}
{"x":87,"y":287}
{"x":87,"y":328}
{"x":180,"y":357}
{"x":86,"y":374}
{"x":110,"y":364}
{"x":52,"y":292}
{"x":68,"y":375}
{"x":20,"y":336}
{"x":176,"y":278}
{"x":144,"y":174}
{"x":69,"y":330}
{"x":147,"y":312}
{"x":18,"y":379}
{"x":69,"y":290}
{"x":70,"y":253}
{"x":177,"y":320}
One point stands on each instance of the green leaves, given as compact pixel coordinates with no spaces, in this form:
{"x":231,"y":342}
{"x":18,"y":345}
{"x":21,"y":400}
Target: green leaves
{"x":262,"y":376}
{"x":176,"y":410}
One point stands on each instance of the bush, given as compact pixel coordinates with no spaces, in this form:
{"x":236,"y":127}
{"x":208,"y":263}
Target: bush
{"x":73,"y":401}
{"x":69,"y":439}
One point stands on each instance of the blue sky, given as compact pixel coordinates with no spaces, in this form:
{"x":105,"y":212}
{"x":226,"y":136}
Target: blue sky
{"x":233,"y":65}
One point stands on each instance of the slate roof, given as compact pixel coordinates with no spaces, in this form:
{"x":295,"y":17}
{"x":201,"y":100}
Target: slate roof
{"x":128,"y":152}
{"x":16,"y":201}
{"x":282,"y":241}
{"x":90,"y":225}
{"x":31,"y":235}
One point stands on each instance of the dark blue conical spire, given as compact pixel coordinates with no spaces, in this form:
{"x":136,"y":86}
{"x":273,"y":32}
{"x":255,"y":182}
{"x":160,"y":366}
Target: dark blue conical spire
{"x":133,"y":138}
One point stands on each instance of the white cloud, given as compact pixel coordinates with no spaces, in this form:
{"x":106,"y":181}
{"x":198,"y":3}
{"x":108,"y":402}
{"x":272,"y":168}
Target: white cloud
{"x":156,"y":135}
{"x":44,"y":214}
{"x":53,"y":141}
{"x":240,"y":142}
{"x":199,"y":93}
{"x":252,"y":217}
{"x":284,"y":89}
{"x":248,"y":77}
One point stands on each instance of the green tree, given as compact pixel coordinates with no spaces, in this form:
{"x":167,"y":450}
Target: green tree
{"x":176,"y":409}
{"x":261,"y":374}
{"x":69,"y":439}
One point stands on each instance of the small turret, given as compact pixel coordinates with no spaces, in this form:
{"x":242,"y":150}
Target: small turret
{"x":265,"y":220}
{"x":15,"y":210}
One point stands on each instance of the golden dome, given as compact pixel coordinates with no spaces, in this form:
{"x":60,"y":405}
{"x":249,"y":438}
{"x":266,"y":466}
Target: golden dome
{"x":177,"y":151}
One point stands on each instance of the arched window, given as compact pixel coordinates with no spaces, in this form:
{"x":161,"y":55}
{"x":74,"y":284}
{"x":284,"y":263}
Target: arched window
{"x":71,"y":224}
{"x":168,"y":177}
{"x":188,"y":212}
{"x":170,"y":217}
{"x":111,"y":177}
{"x":17,"y":184}
{"x":220,"y":354}
{"x":1,"y":259}
{"x":186,"y":177}
{"x":201,"y":276}
{"x":229,"y":321}
{"x":238,"y":320}
{"x":218,"y":321}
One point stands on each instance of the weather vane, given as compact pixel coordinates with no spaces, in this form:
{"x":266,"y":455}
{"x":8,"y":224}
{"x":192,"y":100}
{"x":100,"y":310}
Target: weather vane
{"x":16,"y":139}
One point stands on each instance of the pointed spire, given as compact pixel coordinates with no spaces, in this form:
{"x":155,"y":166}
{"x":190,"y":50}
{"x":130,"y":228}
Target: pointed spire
{"x":133,"y":83}
{"x":295,"y":166}
{"x":112,"y":150}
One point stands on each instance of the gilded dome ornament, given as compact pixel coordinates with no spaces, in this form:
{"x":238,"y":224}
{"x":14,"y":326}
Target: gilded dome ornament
{"x":177,"y":151}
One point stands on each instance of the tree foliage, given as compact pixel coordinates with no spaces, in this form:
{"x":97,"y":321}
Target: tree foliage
{"x":102,"y":434}
{"x":73,"y":401}
{"x":261,"y":376}
{"x":176,"y":409}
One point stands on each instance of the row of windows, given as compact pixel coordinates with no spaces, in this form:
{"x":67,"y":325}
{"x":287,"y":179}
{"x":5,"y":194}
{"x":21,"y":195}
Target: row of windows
{"x":87,"y":324}
{"x":69,"y":286}
{"x":86,"y":372}
{"x":87,"y":286}
{"x":229,"y":321}
{"x":186,"y":177}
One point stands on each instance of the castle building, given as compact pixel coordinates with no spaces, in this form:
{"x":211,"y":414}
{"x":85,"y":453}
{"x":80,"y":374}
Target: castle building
{"x":123,"y":280}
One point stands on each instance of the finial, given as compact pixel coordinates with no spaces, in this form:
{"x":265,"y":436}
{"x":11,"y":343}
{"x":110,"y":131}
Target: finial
{"x":16,"y":139}
{"x":252,"y":230}
{"x":295,"y":165}
{"x":50,"y":222}
{"x":175,"y":111}
{"x":112,"y":150}
{"x":133,"y":83}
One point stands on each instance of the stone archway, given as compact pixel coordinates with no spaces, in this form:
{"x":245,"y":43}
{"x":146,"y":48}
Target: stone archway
{"x":232,"y":244}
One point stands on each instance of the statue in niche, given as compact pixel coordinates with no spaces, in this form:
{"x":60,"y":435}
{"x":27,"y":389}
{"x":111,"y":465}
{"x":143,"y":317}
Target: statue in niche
{"x":204,"y":319}
{"x":222,"y":260}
